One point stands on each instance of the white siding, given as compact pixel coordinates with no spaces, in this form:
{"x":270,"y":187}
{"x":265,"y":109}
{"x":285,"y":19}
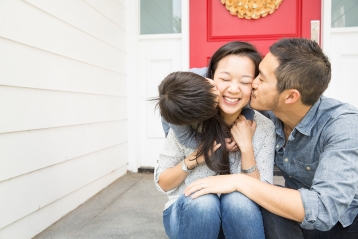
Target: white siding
{"x":63,"y":108}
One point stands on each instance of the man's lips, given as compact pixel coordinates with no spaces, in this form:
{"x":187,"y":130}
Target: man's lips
{"x":253,"y":95}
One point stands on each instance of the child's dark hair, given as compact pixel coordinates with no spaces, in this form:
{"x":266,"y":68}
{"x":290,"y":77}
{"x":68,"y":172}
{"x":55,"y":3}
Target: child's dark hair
{"x":186,"y":98}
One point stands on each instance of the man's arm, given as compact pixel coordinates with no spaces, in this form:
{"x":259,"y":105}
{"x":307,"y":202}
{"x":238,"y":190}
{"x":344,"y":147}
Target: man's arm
{"x":278,"y":200}
{"x":333,"y":188}
{"x":335,"y":181}
{"x":281,"y":201}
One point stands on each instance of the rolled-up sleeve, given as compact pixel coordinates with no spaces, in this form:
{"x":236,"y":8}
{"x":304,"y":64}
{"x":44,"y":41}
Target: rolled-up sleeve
{"x":310,"y":204}
{"x":335,"y":182}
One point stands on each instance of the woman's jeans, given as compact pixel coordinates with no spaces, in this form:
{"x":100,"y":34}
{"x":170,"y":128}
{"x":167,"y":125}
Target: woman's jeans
{"x":203,"y":217}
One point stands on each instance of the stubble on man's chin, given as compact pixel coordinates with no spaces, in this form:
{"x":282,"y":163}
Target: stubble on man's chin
{"x":273,"y":105}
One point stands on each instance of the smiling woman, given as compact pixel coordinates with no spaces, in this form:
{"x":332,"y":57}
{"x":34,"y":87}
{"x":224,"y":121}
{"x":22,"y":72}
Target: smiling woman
{"x":233,"y":68}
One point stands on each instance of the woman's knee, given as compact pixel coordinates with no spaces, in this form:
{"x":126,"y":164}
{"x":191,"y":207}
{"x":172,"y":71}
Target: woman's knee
{"x":209,"y":203}
{"x":241,"y":216}
{"x":238,"y":204}
{"x":203,"y":214}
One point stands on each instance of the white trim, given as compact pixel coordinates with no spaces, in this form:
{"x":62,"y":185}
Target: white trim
{"x":132,"y":83}
{"x":160,"y":36}
{"x":326,"y":25}
{"x":344,"y":30}
{"x":185,"y":34}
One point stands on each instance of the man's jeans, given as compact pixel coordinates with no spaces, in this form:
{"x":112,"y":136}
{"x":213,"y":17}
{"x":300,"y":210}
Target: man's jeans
{"x":277,"y":227}
{"x":203,"y":217}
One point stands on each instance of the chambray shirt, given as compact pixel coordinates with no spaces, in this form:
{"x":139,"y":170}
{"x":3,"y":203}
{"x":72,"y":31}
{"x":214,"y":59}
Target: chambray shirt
{"x":320,"y":159}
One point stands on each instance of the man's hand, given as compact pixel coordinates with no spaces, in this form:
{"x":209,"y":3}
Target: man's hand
{"x":214,"y":184}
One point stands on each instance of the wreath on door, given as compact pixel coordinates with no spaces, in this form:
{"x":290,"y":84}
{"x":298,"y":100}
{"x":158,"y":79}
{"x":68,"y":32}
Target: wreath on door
{"x":251,"y":9}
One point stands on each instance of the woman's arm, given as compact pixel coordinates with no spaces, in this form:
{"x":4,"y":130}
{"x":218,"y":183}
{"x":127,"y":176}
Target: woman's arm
{"x":243,"y":132}
{"x":173,"y":177}
{"x":170,"y":161}
{"x":169,"y":173}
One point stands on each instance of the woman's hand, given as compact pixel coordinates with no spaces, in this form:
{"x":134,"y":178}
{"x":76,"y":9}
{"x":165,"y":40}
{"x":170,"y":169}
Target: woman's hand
{"x":242,"y":132}
{"x":214,"y":184}
{"x":201,"y":158}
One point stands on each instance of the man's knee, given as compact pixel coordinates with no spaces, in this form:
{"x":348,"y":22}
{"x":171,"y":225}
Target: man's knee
{"x":277,"y":227}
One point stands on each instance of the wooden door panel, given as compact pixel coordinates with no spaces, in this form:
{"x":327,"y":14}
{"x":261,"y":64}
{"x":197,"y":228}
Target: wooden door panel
{"x":211,"y":26}
{"x":222,"y":25}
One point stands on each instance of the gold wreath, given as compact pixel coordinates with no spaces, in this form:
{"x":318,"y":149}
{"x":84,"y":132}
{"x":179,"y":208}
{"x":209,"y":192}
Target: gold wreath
{"x":251,"y":9}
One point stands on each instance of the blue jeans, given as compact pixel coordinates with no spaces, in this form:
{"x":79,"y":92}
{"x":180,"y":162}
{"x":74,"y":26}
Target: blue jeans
{"x":277,"y":227}
{"x":233,"y":213}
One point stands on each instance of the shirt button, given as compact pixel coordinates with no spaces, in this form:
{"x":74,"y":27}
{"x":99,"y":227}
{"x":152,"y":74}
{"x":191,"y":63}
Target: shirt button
{"x":308,"y":168}
{"x":277,"y":146}
{"x":286,"y":159}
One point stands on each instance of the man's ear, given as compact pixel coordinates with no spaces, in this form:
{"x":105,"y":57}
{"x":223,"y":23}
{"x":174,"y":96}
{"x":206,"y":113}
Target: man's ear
{"x":292,"y":96}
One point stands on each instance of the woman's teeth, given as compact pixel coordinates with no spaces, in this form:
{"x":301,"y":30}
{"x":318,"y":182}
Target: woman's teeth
{"x":230,"y":99}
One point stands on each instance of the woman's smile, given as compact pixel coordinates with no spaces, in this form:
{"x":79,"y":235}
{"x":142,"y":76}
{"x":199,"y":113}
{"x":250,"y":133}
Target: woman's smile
{"x":232,"y":101}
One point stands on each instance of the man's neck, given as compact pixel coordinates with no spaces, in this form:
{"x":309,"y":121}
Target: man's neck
{"x":291,"y":116}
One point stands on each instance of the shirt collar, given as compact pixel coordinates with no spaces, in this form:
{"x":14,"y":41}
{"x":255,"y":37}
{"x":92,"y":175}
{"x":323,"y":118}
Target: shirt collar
{"x":307,"y":123}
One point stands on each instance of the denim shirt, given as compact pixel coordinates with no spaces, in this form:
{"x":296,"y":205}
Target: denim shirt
{"x":320,"y":160}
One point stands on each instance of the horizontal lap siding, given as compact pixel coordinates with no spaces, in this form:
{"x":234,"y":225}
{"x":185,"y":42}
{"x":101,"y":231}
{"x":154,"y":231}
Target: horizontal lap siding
{"x":29,"y":109}
{"x":26,"y":66}
{"x":63,"y":124}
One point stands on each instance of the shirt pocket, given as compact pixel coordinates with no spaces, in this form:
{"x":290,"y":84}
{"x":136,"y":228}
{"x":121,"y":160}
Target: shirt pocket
{"x":305,"y":172}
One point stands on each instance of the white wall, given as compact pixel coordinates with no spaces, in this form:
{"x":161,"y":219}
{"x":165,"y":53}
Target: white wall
{"x":63,"y":107}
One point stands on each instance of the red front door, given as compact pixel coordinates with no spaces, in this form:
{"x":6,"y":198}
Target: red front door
{"x":212,"y":25}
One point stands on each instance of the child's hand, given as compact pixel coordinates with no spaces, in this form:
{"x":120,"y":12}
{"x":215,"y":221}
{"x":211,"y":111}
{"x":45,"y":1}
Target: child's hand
{"x":231,"y":145}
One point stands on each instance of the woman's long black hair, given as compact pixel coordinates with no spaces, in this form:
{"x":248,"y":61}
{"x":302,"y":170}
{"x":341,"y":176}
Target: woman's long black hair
{"x":214,"y":129}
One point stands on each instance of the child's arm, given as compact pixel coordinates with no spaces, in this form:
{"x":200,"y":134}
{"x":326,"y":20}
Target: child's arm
{"x":187,"y":138}
{"x":165,"y":126}
{"x":185,"y":135}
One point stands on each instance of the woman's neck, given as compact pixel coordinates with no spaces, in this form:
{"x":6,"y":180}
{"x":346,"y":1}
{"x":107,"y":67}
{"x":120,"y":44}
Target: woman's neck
{"x":230,"y":118}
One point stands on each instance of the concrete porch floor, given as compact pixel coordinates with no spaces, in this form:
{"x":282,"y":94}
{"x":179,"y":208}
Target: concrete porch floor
{"x":130,"y":207}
